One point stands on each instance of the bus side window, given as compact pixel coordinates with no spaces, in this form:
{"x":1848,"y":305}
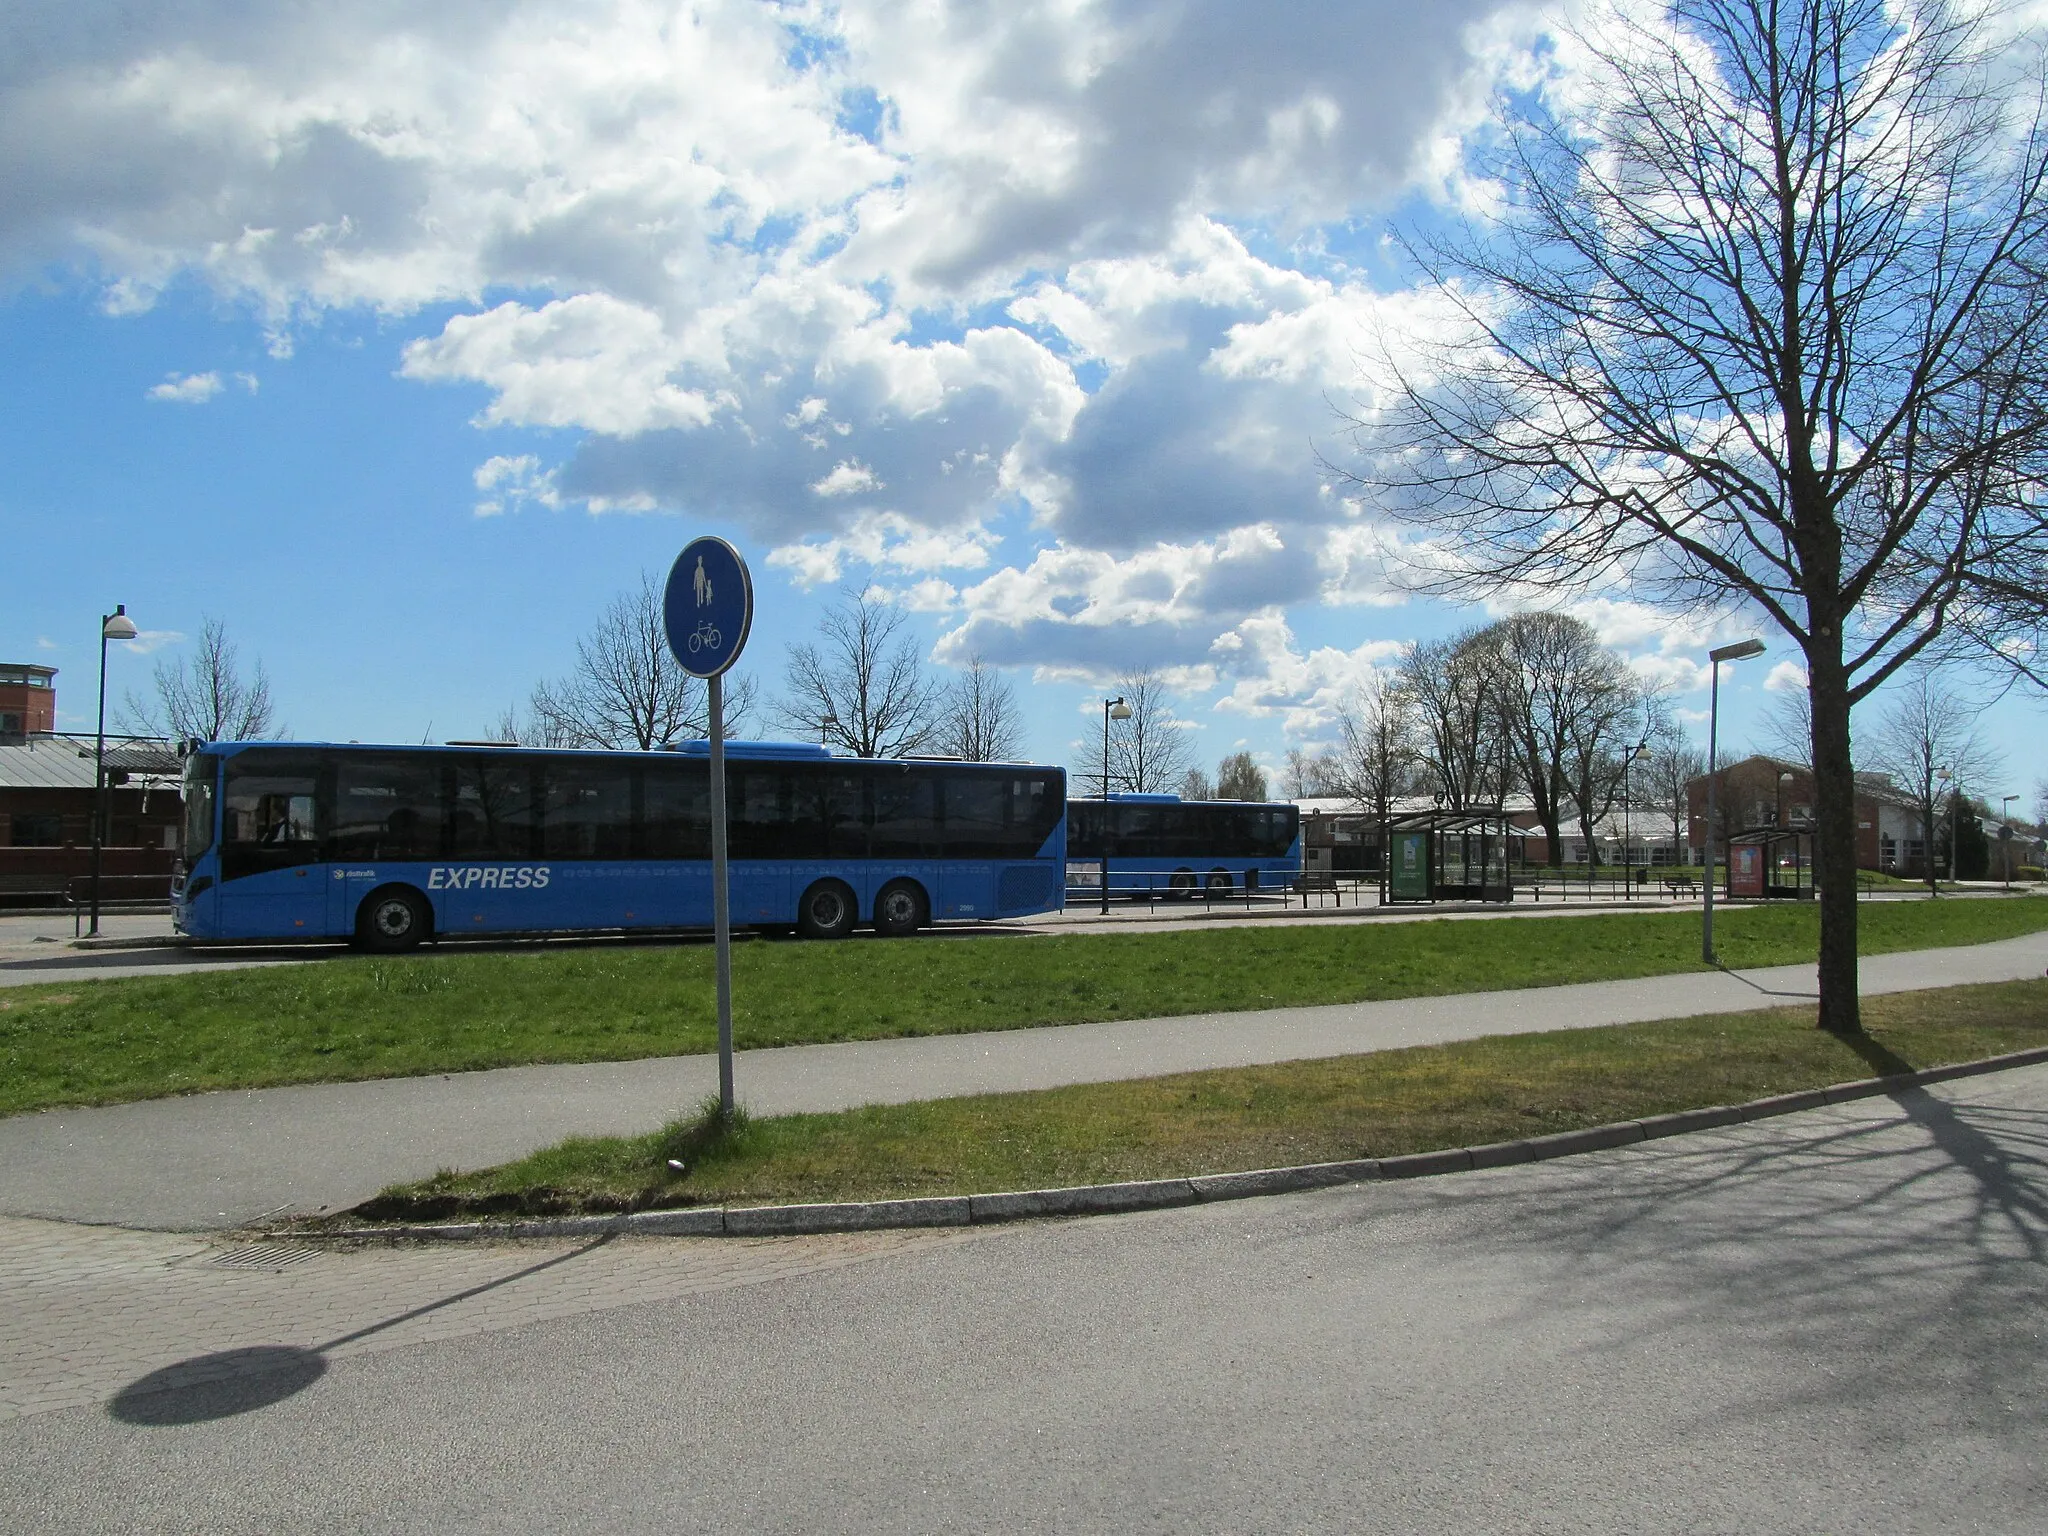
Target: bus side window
{"x":494,"y":812}
{"x":675,"y":816}
{"x":385,"y":807}
{"x":906,"y":815}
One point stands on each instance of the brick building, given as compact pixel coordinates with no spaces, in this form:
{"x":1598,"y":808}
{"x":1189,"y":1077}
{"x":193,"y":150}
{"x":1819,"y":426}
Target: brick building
{"x":1767,"y":793}
{"x":46,"y":802}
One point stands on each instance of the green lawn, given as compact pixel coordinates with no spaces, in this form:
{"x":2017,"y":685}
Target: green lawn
{"x":1381,"y":1105}
{"x":106,"y":1041}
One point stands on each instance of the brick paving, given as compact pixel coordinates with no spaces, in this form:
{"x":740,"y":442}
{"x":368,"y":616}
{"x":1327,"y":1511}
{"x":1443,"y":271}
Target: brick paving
{"x":87,"y":1311}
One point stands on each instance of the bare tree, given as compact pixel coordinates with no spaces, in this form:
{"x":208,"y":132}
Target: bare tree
{"x":1378,"y":760}
{"x":1195,"y":785}
{"x":1454,"y":688}
{"x":980,"y":716}
{"x":1307,"y":775}
{"x":209,"y":700}
{"x":1929,"y":724}
{"x":1615,"y":720}
{"x":1562,"y":694}
{"x":627,"y":689}
{"x":1760,"y":323}
{"x":1674,"y":761}
{"x":1148,"y":753}
{"x":863,"y":685}
{"x":1238,"y":777}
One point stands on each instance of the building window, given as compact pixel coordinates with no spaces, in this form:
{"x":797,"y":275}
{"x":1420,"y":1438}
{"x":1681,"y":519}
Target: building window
{"x":37,"y":829}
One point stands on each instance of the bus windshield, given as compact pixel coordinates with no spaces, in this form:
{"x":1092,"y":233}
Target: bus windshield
{"x":200,"y":771}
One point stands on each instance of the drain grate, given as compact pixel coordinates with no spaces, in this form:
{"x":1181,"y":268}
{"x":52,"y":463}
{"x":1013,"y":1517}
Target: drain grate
{"x":272,"y":1256}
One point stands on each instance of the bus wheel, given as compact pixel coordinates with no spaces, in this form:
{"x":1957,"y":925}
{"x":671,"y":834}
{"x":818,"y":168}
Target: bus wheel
{"x":1182,"y":885}
{"x":900,"y":910}
{"x":392,"y":919}
{"x":826,"y":912}
{"x":1219,"y":880}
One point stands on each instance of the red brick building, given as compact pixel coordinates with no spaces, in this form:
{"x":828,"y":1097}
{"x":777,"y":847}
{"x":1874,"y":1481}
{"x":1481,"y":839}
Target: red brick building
{"x":46,"y":803}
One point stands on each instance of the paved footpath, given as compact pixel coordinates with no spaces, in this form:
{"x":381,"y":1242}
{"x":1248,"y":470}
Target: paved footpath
{"x":222,"y":1160}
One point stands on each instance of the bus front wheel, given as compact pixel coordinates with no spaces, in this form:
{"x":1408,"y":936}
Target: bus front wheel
{"x":393,"y":919}
{"x":826,"y":912}
{"x":900,"y":910}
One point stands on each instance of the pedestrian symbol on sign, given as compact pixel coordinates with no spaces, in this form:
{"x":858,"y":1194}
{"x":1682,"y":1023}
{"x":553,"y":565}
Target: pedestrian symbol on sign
{"x":703,"y":584}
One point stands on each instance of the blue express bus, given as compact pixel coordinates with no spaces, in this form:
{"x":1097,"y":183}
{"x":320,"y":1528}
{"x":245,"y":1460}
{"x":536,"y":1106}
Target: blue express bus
{"x":388,"y":846}
{"x":1164,"y":845}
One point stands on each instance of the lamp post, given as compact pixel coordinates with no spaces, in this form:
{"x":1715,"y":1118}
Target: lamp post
{"x":2005,"y":839}
{"x":1628,"y":874}
{"x":1955,"y":788}
{"x":113,"y":626}
{"x":1112,"y":709}
{"x":827,"y":723}
{"x":1741,"y":650}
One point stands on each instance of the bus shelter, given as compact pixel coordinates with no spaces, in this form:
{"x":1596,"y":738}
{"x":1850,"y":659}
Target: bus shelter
{"x":1445,"y":855}
{"x":1766,"y":863}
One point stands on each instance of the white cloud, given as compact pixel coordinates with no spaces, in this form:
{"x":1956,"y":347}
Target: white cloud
{"x":511,"y":481}
{"x":1786,"y":677}
{"x":187,"y":388}
{"x":849,"y":477}
{"x":147,"y":640}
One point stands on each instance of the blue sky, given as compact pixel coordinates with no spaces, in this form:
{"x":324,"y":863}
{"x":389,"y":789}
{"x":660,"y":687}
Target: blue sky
{"x":402,"y":345}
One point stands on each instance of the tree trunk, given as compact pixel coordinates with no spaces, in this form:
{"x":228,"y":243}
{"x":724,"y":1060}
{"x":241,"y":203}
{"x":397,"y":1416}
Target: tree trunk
{"x":1834,"y":856}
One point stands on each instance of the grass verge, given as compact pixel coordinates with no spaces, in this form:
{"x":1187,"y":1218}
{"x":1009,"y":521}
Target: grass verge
{"x":1379,"y":1105}
{"x":107,"y":1041}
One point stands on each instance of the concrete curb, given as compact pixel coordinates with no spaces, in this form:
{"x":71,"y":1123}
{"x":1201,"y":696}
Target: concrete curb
{"x":1155,"y":1194}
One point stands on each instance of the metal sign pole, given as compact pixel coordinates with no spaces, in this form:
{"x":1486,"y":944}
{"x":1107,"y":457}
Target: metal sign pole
{"x":721,"y":896}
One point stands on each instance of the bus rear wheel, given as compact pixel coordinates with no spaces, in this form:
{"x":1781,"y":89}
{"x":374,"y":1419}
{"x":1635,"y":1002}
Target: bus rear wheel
{"x":1219,"y":882}
{"x":1182,"y":886}
{"x":900,"y":910}
{"x":826,"y":912}
{"x":393,"y":919}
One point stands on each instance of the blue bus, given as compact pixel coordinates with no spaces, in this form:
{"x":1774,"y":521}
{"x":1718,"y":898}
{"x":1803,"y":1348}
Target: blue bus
{"x":390,"y":846}
{"x":1162,"y":845}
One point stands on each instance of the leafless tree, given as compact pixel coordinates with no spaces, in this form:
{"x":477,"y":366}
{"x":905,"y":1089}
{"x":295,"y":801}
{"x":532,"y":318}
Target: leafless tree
{"x":1307,"y":774}
{"x":1378,"y":760}
{"x":627,"y":689}
{"x":1562,"y":696}
{"x":1238,"y":777}
{"x":1454,"y":688}
{"x":209,"y":700}
{"x":980,"y":716}
{"x":1760,"y":323}
{"x":1148,"y":753}
{"x":1615,"y":722}
{"x":1195,"y":785}
{"x":1928,"y":724}
{"x":863,"y":685}
{"x":1673,"y":762}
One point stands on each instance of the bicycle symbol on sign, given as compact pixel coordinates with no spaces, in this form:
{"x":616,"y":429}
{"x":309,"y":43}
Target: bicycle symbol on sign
{"x":704,"y":637}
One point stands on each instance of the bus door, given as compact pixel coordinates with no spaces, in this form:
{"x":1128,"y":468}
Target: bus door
{"x":272,"y":884}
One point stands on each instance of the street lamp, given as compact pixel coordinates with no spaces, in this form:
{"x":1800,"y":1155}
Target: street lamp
{"x":2005,"y":838}
{"x":113,"y":626}
{"x":827,"y":723}
{"x":1741,"y":650}
{"x":1954,"y":788}
{"x":1628,"y":879}
{"x":1112,"y":709}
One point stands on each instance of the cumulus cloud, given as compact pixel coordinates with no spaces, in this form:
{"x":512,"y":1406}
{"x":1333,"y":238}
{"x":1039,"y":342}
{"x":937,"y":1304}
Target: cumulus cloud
{"x":871,"y":282}
{"x":187,"y":388}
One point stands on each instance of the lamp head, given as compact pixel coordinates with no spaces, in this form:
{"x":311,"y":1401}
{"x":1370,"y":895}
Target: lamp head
{"x":1741,"y":650}
{"x":118,"y":626}
{"x":1119,"y":710}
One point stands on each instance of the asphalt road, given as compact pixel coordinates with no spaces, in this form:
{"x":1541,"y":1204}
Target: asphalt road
{"x":1827,"y":1322}
{"x":217,"y":1160}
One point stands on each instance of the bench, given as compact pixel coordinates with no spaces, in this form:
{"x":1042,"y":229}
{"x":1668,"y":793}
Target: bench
{"x":1681,"y":885}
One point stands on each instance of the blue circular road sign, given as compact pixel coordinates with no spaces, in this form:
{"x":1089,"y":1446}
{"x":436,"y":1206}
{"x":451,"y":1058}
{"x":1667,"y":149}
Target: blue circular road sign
{"x":709,"y":606}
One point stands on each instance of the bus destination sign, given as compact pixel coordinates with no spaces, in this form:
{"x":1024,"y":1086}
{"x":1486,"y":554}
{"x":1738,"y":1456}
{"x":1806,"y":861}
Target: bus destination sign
{"x":708,"y":607}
